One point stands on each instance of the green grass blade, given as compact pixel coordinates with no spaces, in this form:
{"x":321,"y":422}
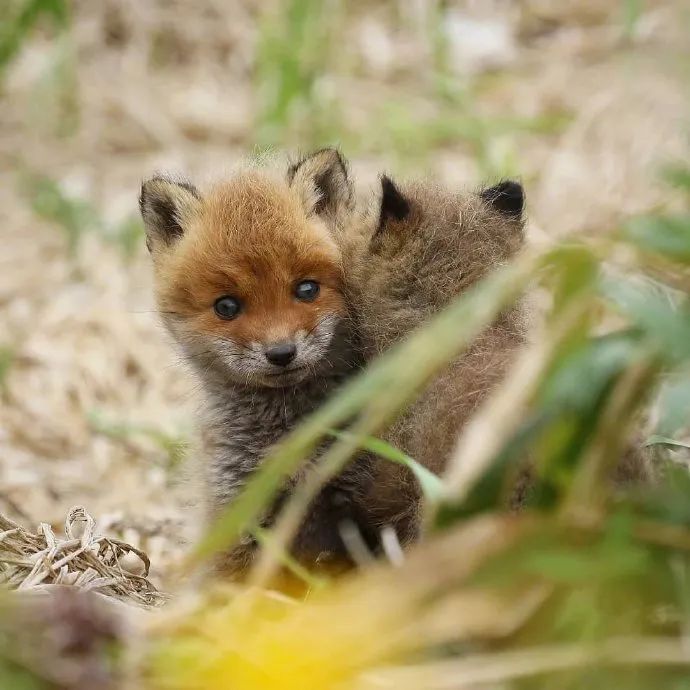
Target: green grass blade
{"x":666,"y":442}
{"x":291,"y":565}
{"x":654,"y":312}
{"x":14,"y":32}
{"x":666,"y":235}
{"x":430,"y":483}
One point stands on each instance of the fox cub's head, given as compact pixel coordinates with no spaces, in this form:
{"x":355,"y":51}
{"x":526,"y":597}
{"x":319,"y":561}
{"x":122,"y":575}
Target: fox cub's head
{"x":248,"y":277}
{"x":422,"y":245}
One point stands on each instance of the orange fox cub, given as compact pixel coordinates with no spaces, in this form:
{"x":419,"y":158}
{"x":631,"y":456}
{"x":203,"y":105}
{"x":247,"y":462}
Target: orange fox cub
{"x":249,"y":281}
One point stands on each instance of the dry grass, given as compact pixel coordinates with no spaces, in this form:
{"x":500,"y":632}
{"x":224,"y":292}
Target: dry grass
{"x":81,"y":558}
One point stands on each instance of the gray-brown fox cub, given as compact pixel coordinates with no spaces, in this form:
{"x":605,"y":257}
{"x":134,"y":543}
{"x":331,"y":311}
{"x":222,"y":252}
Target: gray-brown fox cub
{"x":423,"y":246}
{"x":419,"y":248}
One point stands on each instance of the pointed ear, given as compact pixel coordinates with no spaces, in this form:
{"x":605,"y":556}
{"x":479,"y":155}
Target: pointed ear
{"x":394,"y":206}
{"x":166,"y":206}
{"x":507,"y":197}
{"x":322,"y":181}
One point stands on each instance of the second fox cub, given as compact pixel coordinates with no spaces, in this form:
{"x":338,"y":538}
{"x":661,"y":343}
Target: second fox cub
{"x":421,"y":248}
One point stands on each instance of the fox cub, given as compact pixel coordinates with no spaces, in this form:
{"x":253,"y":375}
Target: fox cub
{"x":249,"y":281}
{"x":422,"y":247}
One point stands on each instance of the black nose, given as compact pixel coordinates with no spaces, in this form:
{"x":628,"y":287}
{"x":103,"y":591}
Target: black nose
{"x":281,"y":354}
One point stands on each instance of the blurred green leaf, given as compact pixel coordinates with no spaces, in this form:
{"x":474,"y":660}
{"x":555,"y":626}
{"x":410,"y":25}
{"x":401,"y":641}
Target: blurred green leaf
{"x":663,"y":322}
{"x":575,"y":565}
{"x":411,"y":137}
{"x":15,"y":29}
{"x":666,"y":235}
{"x":571,"y":273}
{"x":585,"y":559}
{"x":674,"y":405}
{"x":579,"y":380}
{"x":678,"y":176}
{"x":129,"y":235}
{"x":430,"y":484}
{"x":295,"y":44}
{"x":571,"y":278}
{"x":667,"y":501}
{"x":77,"y":217}
{"x":55,"y":104}
{"x":632,"y":11}
{"x":13,"y":677}
{"x":666,"y":442}
{"x":74,"y":216}
{"x":175,"y":446}
{"x":571,"y":405}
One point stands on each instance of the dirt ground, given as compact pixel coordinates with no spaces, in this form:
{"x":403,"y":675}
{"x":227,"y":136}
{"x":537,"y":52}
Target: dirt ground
{"x":586,"y":101}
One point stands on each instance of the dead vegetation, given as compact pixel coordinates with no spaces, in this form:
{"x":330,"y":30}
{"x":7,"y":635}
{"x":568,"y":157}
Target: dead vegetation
{"x":82,"y":558}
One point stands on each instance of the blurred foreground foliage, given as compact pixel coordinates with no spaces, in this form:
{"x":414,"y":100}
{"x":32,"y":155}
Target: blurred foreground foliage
{"x":587,"y":586}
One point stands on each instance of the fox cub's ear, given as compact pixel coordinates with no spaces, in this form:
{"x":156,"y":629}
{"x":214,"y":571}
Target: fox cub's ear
{"x":507,"y":197}
{"x":394,"y":206}
{"x":322,"y":181}
{"x":166,"y":206}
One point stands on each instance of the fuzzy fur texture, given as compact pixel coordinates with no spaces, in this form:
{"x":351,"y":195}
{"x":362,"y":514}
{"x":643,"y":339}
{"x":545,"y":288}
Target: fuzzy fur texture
{"x":420,"y":247}
{"x":254,"y":237}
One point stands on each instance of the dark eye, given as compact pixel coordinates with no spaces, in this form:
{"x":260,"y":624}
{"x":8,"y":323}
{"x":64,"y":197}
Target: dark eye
{"x":226,"y":307}
{"x":307,"y":290}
